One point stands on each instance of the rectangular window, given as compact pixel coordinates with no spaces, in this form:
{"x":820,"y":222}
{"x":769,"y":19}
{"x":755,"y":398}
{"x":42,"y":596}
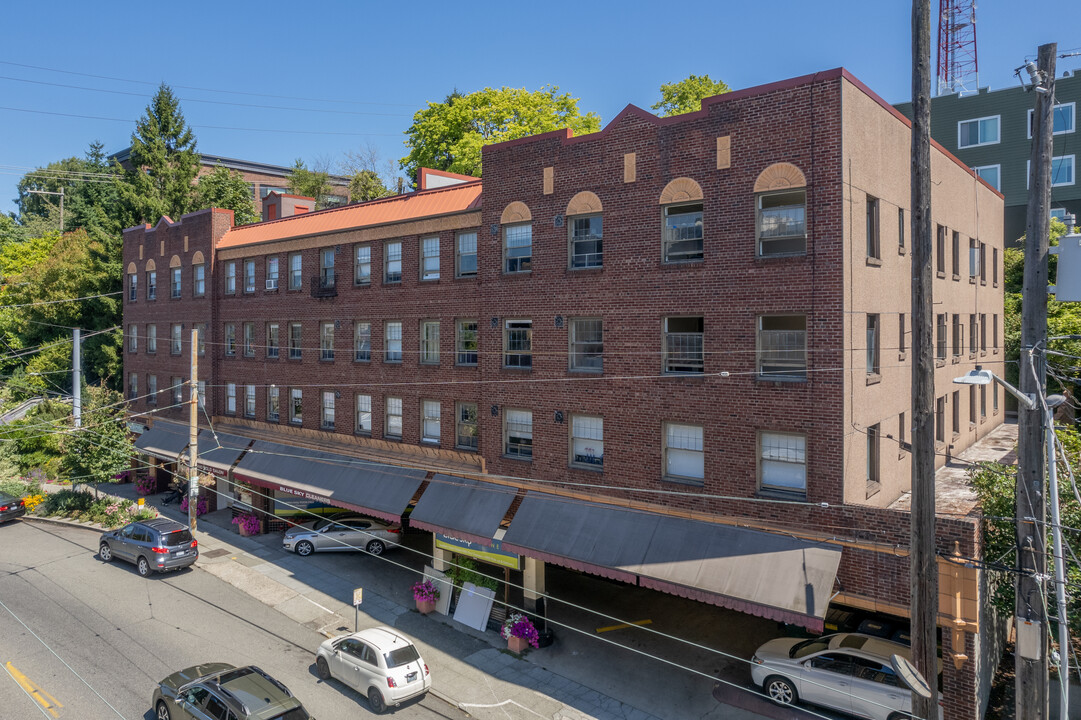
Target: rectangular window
{"x":518,"y":434}
{"x":587,"y":344}
{"x":392,"y":262}
{"x":133,"y":386}
{"x":874,"y":443}
{"x":133,"y":338}
{"x":230,"y":398}
{"x":296,"y":278}
{"x":133,"y":287}
{"x":781,"y":223}
{"x":296,"y":406}
{"x":956,"y":249}
{"x":326,"y":420}
{"x":272,"y":273}
{"x":782,"y":461}
{"x":972,"y":404}
{"x":230,"y":339}
{"x":429,"y":258}
{"x":782,"y":347}
{"x":940,"y":336}
{"x":393,"y":342}
{"x":973,"y":333}
{"x":466,"y":261}
{"x":177,"y":387}
{"x":364,"y":414}
{"x":466,"y":343}
{"x":327,"y":278}
{"x":983,"y":263}
{"x":958,"y":337}
{"x":683,"y":345}
{"x":994,"y":398}
{"x":175,"y":343}
{"x":1062,"y":171}
{"x":902,"y":339}
{"x":295,"y":339}
{"x":994,"y":266}
{"x":249,"y":401}
{"x":518,"y":248}
{"x":983,"y":403}
{"x":249,"y":276}
{"x":683,"y":235}
{"x":151,"y":389}
{"x":230,"y":278}
{"x":249,"y":339}
{"x":175,"y":282}
{"x":956,"y":412}
{"x":902,"y":433}
{"x":466,"y":426}
{"x":198,"y":280}
{"x":994,"y":331}
{"x":983,"y":332}
{"x":201,"y":389}
{"x":272,"y":341}
{"x":587,"y":441}
{"x":940,"y":250}
{"x":873,"y":333}
{"x":326,"y":341}
{"x":362,"y":266}
{"x":973,"y":258}
{"x":874,"y":249}
{"x":151,"y":339}
{"x":901,"y":227}
{"x":430,"y":421}
{"x":362,"y":341}
{"x":393,"y":427}
{"x":151,"y":286}
{"x":200,"y":335}
{"x":981,"y":131}
{"x":1063,"y":120}
{"x":992,"y":174}
{"x":429,"y":342}
{"x":684,"y":457}
{"x":586,"y":241}
{"x":518,"y":344}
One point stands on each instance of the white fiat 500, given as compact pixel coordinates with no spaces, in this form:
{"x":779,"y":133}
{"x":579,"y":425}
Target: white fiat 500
{"x":380,"y":662}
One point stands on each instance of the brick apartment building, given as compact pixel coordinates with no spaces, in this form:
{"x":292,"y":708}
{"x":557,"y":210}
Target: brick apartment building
{"x":685,"y":328}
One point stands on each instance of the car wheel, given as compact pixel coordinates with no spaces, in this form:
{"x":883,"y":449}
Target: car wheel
{"x":322,"y":668}
{"x":376,"y":547}
{"x":304,"y":548}
{"x":161,"y":712}
{"x":376,"y":701}
{"x":780,"y":690}
{"x":143,"y":567}
{"x":105,"y":553}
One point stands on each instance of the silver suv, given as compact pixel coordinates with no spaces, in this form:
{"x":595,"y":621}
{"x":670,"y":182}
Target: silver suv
{"x":159,"y":544}
{"x":219,"y":691}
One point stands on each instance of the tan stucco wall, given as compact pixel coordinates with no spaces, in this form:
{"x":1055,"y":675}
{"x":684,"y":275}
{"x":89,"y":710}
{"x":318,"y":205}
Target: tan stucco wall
{"x":875,"y":151}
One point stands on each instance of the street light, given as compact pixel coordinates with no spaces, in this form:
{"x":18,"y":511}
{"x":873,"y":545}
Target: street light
{"x":979,"y":376}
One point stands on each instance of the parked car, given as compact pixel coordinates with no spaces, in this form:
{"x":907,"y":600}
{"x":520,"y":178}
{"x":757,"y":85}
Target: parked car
{"x":219,"y":690}
{"x":11,"y":508}
{"x":153,"y":545}
{"x":380,"y":662}
{"x":849,"y":672}
{"x":342,"y":533}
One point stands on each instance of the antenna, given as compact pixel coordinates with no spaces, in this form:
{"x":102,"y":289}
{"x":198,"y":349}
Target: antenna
{"x":958,"y":70}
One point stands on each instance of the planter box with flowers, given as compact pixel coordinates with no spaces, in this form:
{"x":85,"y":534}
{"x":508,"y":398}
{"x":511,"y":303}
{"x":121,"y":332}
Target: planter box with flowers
{"x":146,"y":485}
{"x":202,"y":505}
{"x":519,"y":632}
{"x":248,"y":524}
{"x":425,"y":593}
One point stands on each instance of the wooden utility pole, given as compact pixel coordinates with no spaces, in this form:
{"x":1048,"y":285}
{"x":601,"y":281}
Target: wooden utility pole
{"x":923,"y":568}
{"x":1030,"y":673}
{"x":193,"y":434}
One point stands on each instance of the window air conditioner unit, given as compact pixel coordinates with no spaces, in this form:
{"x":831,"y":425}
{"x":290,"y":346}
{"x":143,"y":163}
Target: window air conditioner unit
{"x":271,"y":284}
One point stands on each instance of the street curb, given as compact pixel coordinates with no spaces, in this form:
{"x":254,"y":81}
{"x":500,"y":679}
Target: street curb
{"x":63,"y":521}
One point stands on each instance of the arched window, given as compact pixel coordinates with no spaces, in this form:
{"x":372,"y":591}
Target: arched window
{"x":133,"y":282}
{"x":585,"y":231}
{"x":781,"y":211}
{"x":681,"y":207}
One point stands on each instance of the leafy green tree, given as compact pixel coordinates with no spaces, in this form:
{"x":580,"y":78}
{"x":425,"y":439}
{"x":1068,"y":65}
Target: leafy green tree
{"x":34,"y":442}
{"x":101,"y":448}
{"x":90,"y":194}
{"x":686,"y":95}
{"x":310,"y":183}
{"x":164,"y":164}
{"x":367,"y":185}
{"x":227,"y":189}
{"x":449,"y":135}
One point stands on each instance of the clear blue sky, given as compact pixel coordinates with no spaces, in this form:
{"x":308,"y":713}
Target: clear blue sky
{"x":379,"y":62}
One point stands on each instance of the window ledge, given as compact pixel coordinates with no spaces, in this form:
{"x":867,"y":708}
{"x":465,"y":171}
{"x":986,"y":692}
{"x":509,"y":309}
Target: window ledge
{"x":684,"y":374}
{"x":594,"y":270}
{"x":429,"y":281}
{"x":983,"y":353}
{"x":682,"y":263}
{"x":956,"y":277}
{"x":361,"y":285}
{"x":683,"y":481}
{"x":465,"y":277}
{"x":901,"y":250}
{"x":972,"y":356}
{"x":874,"y":378}
{"x":518,"y":458}
{"x":983,"y":283}
{"x":326,"y":360}
{"x":996,"y":351}
{"x":956,"y":359}
{"x":587,"y":468}
{"x":428,"y":364}
{"x":780,"y":494}
{"x":429,"y":443}
{"x":362,"y":361}
{"x":901,"y":356}
{"x":940,"y":273}
{"x":940,"y":362}
{"x":516,"y":369}
{"x":873,"y":488}
{"x":465,"y":365}
{"x":972,"y":280}
{"x":392,"y":438}
{"x":583,"y":371}
{"x":363,"y":433}
{"x":874,"y":261}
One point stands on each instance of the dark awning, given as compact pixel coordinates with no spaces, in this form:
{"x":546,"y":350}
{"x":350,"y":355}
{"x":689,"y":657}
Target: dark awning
{"x":365,"y":486}
{"x":164,"y":440}
{"x":219,"y":452}
{"x":761,"y":573}
{"x":462,"y":507}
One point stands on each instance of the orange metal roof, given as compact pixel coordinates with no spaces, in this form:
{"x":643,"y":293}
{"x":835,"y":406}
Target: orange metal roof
{"x":411,"y":206}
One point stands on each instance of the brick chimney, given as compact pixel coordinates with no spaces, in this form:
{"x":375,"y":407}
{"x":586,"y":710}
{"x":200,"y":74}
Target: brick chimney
{"x":279,"y":205}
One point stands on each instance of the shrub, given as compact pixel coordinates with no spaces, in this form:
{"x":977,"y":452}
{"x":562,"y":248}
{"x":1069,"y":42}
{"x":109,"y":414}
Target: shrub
{"x":144,"y":484}
{"x":202,"y":506}
{"x":248,"y":522}
{"x":425,"y":591}
{"x":466,"y":571}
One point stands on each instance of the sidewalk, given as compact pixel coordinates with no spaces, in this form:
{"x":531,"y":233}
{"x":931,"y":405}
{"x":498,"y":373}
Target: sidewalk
{"x":471,"y":670}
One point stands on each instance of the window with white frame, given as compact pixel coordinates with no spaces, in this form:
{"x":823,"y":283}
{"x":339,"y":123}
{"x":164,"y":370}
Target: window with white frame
{"x":429,"y":342}
{"x":874,"y":246}
{"x":175,"y":282}
{"x":518,"y":344}
{"x":782,"y":347}
{"x":958,"y":336}
{"x":974,"y":260}
{"x":782,"y":461}
{"x":133,"y":386}
{"x":980,"y":131}
{"x":781,"y":223}
{"x":518,"y":248}
{"x":518,"y":434}
{"x":586,"y":344}
{"x":249,"y":276}
{"x":429,"y":258}
{"x":392,"y":338}
{"x":133,"y":338}
{"x":362,"y":265}
{"x":940,"y":336}
{"x":249,"y":401}
{"x":177,"y":387}
{"x":991,"y":173}
{"x":1063,"y":122}
{"x":874,"y":334}
{"x":874,"y":458}
{"x":392,"y":262}
{"x":683,"y":345}
{"x":983,"y":332}
{"x":296,"y":406}
{"x":430,"y":421}
{"x":586,"y":241}
{"x":151,"y":339}
{"x":133,"y":287}
{"x":466,"y":428}
{"x":684,"y":454}
{"x":249,"y":339}
{"x":466,"y":342}
{"x":272,"y":273}
{"x":1062,"y":171}
{"x":587,"y":441}
{"x":296,"y":268}
{"x":466,"y":260}
{"x":326,"y":341}
{"x":273,"y":409}
{"x":272,"y":340}
{"x":362,"y":341}
{"x":364,"y":414}
{"x":201,"y":385}
{"x":393,"y":425}
{"x":230,"y":398}
{"x":152,"y":389}
{"x":230,"y":339}
{"x":230,"y":277}
{"x":200,"y":338}
{"x":327,"y":418}
{"x":152,"y":285}
{"x":296,"y":336}
{"x":973,"y":333}
{"x":198,"y":274}
{"x":683,"y":235}
{"x":327,"y":277}
{"x":175,"y":342}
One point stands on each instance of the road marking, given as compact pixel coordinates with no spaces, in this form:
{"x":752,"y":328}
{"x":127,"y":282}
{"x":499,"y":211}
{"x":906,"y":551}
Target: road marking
{"x":621,"y":626}
{"x":47,"y":701}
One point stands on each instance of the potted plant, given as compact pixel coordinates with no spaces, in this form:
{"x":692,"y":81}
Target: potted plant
{"x":248,"y":524}
{"x":519,"y":631}
{"x":425,"y":593}
{"x":145,"y":485}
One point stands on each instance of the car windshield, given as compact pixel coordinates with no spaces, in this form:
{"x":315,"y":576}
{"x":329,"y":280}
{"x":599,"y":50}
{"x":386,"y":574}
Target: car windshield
{"x":297,"y":713}
{"x":808,"y":647}
{"x":402,"y":656}
{"x":177,"y":537}
{"x":324,"y":523}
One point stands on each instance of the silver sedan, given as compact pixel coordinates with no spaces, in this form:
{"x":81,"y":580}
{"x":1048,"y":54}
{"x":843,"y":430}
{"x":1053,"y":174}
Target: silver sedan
{"x":342,"y":534}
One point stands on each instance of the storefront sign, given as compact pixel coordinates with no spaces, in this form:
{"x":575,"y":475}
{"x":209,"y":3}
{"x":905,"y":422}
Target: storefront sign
{"x":493,"y":554}
{"x":300,"y":493}
{"x":216,"y":472}
{"x":136,"y":427}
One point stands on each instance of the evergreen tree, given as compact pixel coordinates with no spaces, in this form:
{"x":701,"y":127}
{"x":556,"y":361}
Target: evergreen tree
{"x":90,"y":198}
{"x":227,"y":189}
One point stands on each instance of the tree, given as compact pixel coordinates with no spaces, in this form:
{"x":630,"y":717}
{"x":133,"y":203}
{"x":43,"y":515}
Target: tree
{"x":227,"y":189}
{"x":370,"y":176}
{"x":164,"y":164}
{"x":90,"y":195}
{"x":449,"y":135}
{"x":367,"y":185}
{"x":100,"y":449}
{"x":686,"y":95}
{"x":310,"y":183}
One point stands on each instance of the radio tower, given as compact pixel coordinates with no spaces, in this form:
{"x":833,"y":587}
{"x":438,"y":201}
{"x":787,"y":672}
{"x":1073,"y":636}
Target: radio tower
{"x":958,"y":71}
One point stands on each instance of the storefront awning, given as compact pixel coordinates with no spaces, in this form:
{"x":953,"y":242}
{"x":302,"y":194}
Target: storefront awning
{"x":164,"y":441}
{"x":367,"y":487}
{"x":463,"y":508}
{"x":218,"y":453}
{"x":761,"y":573}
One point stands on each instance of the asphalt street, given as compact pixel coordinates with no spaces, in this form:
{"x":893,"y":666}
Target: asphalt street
{"x":80,"y":639}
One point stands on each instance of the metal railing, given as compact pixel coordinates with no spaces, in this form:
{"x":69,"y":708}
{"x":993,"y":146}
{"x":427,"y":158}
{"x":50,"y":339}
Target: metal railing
{"x":782,"y":354}
{"x":683,"y":353}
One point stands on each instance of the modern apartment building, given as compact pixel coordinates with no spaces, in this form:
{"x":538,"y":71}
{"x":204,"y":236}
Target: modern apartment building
{"x":991,"y":131}
{"x":674,"y":353}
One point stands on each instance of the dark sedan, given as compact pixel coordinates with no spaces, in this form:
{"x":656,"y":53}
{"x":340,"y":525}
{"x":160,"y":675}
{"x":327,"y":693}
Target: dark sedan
{"x":11,"y":508}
